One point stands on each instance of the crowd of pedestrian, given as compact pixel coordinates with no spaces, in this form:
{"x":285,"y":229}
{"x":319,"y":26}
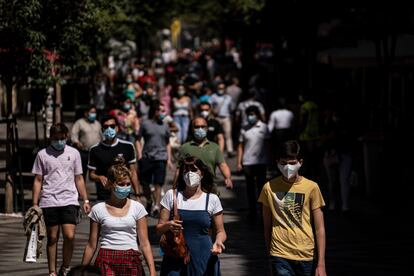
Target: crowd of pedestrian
{"x":184,"y":115}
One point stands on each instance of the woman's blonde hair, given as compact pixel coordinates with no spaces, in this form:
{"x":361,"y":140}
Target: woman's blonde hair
{"x":118,"y":170}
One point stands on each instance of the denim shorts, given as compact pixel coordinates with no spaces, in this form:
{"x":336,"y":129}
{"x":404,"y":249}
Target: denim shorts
{"x":285,"y":267}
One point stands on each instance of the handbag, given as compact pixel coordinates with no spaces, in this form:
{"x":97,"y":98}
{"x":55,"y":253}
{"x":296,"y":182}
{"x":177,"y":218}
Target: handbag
{"x":173,"y":243}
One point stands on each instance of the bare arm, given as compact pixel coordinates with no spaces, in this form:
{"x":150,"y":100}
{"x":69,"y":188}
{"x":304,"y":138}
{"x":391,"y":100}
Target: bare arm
{"x":225,"y":171}
{"x":138,"y":147}
{"x":98,"y":178}
{"x":221,"y":235}
{"x":74,"y":135}
{"x":37,"y":186}
{"x":145,"y":245}
{"x":240,"y":150}
{"x":134,"y":177}
{"x":80,"y":185}
{"x":220,"y":141}
{"x":92,"y":244}
{"x":320,"y":241}
{"x":263,"y":117}
{"x":169,"y":155}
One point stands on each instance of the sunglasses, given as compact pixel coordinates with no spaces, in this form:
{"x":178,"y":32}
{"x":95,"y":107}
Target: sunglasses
{"x":111,"y":126}
{"x":190,"y":167}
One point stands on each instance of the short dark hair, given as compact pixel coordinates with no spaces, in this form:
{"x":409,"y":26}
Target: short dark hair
{"x":253,"y":109}
{"x":154,"y":106}
{"x":289,"y":149}
{"x":58,"y":128}
{"x":107,"y":117}
{"x":204,"y":103}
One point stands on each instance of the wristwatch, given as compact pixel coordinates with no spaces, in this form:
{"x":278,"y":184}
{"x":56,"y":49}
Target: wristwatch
{"x":86,"y":201}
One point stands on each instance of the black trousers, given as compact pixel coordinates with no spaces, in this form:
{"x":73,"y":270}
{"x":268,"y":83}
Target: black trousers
{"x":255,"y":179}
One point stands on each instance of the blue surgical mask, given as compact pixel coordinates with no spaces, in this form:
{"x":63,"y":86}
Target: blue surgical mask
{"x":58,"y":144}
{"x":127,"y":107}
{"x":252,"y":119}
{"x":162,"y":116}
{"x":92,"y":117}
{"x":200,"y":133}
{"x":109,"y":133}
{"x":122,"y":192}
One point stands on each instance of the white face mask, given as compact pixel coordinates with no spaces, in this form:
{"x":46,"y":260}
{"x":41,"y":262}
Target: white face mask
{"x":204,"y":113}
{"x":192,"y":179}
{"x":288,"y":170}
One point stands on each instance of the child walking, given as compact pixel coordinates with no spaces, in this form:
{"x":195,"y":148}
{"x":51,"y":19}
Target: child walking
{"x":291,"y":207}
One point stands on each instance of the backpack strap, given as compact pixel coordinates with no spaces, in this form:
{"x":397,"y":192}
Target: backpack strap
{"x":207,"y":199}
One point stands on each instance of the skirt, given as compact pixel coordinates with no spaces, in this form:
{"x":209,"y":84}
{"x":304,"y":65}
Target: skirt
{"x":119,"y":262}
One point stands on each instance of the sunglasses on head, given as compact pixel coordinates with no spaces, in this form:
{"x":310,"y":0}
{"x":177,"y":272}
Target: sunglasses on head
{"x":111,"y":126}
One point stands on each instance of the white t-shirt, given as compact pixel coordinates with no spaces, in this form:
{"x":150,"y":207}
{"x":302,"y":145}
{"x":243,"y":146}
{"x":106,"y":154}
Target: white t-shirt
{"x":119,"y":233}
{"x":214,"y":204}
{"x":254,"y":144}
{"x":280,"y":119}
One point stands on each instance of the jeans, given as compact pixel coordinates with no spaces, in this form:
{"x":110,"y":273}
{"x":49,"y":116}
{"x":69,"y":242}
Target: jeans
{"x":285,"y":267}
{"x":183,"y":123}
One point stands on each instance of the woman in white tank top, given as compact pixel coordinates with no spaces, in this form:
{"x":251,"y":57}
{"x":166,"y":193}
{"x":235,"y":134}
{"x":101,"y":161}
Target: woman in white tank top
{"x":182,"y":112}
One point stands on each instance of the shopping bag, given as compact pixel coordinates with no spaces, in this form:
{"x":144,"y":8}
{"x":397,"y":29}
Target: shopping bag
{"x":31,"y":246}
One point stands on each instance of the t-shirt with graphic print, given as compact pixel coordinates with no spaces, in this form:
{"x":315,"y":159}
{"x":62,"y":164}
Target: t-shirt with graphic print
{"x":291,"y":206}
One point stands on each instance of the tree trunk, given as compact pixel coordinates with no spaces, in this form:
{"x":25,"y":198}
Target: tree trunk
{"x":8,"y":191}
{"x":58,"y":103}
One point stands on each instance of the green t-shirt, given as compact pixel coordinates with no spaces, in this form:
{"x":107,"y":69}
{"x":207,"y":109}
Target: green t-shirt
{"x":310,"y":111}
{"x":209,"y":153}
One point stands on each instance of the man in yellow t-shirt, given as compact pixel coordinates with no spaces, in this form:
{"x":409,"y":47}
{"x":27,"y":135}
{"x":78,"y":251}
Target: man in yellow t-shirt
{"x":291,"y":203}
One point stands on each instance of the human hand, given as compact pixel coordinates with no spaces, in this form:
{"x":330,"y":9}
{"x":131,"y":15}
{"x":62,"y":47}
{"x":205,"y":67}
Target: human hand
{"x":239,"y":167}
{"x":218,"y":248}
{"x":170,"y":164}
{"x":103,"y":180}
{"x":229,"y":183}
{"x":86,"y":207}
{"x":320,"y":270}
{"x":175,"y":225}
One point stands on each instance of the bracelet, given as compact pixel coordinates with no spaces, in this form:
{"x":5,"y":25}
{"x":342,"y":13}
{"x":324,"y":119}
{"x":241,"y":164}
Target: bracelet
{"x":86,"y":201}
